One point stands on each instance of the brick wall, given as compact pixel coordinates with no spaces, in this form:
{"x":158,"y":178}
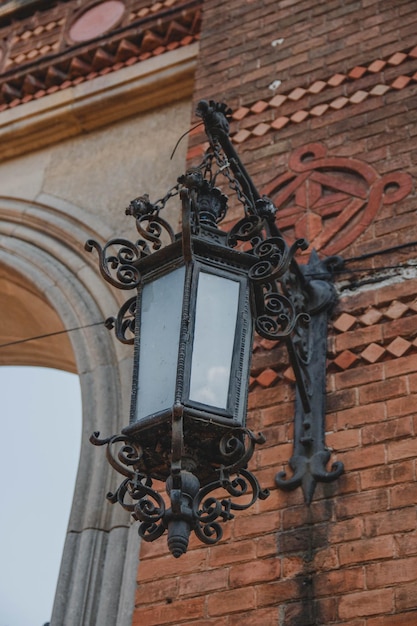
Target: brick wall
{"x":347,"y":98}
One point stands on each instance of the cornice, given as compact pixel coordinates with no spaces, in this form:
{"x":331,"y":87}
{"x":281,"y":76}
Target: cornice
{"x":98,"y":102}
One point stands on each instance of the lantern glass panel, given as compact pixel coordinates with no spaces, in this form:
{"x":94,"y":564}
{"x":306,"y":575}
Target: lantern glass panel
{"x":214,"y":339}
{"x":160,"y":323}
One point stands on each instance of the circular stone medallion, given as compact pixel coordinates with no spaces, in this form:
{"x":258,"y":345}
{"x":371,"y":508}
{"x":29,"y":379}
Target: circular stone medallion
{"x":96,"y":20}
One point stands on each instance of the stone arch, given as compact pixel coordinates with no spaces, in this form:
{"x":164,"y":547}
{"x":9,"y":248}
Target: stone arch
{"x":43,"y":243}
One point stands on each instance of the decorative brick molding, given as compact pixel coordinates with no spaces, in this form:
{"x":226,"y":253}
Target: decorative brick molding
{"x":38,"y":56}
{"x":311,"y":109}
{"x":378,"y":338}
{"x":330,"y":201}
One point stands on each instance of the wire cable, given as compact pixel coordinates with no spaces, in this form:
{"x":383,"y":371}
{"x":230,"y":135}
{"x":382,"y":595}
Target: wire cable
{"x":54,"y":334}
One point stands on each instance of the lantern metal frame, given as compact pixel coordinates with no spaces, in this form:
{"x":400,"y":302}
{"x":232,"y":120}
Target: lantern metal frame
{"x":197,"y":451}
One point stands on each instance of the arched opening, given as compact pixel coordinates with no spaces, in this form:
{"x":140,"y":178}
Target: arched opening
{"x":49,"y":284}
{"x":41,"y":428}
{"x":41,"y":431}
{"x":27,"y":313}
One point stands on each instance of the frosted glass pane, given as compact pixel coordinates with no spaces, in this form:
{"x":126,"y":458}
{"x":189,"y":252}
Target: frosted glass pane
{"x":159,"y":340}
{"x":214,"y":336}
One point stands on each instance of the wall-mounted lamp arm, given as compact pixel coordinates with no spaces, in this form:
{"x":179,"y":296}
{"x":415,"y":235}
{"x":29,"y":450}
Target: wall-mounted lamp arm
{"x":292,"y":302}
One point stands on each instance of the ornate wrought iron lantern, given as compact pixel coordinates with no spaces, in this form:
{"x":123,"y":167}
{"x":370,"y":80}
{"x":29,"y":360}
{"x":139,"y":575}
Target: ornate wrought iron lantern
{"x":200,"y":295}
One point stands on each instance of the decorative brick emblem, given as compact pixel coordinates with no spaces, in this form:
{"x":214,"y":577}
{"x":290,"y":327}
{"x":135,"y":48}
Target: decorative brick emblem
{"x":330,"y":201}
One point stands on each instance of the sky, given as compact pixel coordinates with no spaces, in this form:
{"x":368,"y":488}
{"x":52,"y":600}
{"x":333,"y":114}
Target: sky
{"x":40,"y":445}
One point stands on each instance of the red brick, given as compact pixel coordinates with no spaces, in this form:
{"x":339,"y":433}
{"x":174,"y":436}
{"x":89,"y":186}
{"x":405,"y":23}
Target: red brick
{"x":232,"y":553}
{"x":399,"y":346}
{"x":344,"y":322}
{"x":400,"y":82}
{"x":339,"y":581}
{"x":386,"y":475}
{"x":299,"y":116}
{"x":336,"y":80}
{"x":404,"y":449}
{"x":373,"y":352}
{"x":405,"y":619}
{"x":278,"y":591}
{"x":363,"y":457}
{"x":366,"y":550}
{"x":266,"y":545}
{"x":169,"y":613}
{"x":351,"y":418}
{"x":343,"y":440}
{"x":261,"y":570}
{"x":403,"y":495}
{"x":357,"y":72}
{"x":405,"y":597}
{"x":231,"y":601}
{"x":350,"y":529}
{"x":376,"y":66}
{"x":345,"y":359}
{"x":257,"y":525}
{"x":267,"y":378}
{"x":150,"y":569}
{"x":280,"y":122}
{"x":259,"y":617}
{"x":359,"y":504}
{"x":359,"y":337}
{"x":366,"y":603}
{"x":359,"y":376}
{"x":403,"y":365}
{"x":402,"y":406}
{"x":157,"y":591}
{"x":199,"y":583}
{"x":391,"y":572}
{"x":392,"y":429}
{"x":383,"y":390}
{"x":406,"y":542}
{"x":390,"y":522}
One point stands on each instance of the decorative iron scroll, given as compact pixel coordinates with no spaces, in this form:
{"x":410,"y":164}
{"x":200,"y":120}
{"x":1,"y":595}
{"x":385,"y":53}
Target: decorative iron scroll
{"x":192,"y":508}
